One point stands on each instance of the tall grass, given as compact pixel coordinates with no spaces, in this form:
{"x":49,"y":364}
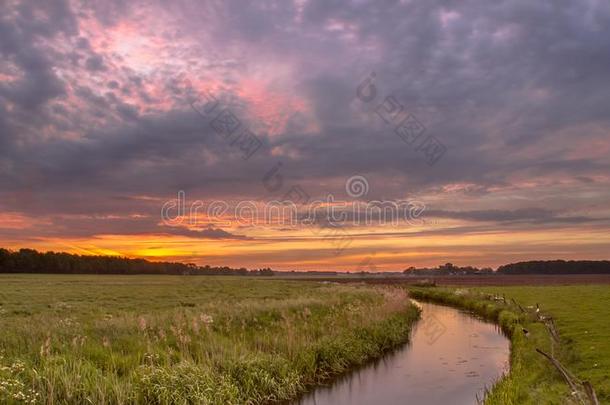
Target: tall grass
{"x":174,"y":340}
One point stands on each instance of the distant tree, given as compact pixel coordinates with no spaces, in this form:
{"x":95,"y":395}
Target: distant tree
{"x":557,"y":267}
{"x":31,"y":261}
{"x":485,"y":270}
{"x":445,"y":269}
{"x":266,"y":272}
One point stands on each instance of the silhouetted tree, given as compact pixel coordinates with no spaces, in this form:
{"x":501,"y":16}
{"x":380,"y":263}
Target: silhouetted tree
{"x":557,"y":267}
{"x":31,"y":261}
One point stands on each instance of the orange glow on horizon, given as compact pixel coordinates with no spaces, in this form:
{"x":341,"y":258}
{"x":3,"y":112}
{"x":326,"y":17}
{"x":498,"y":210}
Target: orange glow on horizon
{"x":303,"y":250}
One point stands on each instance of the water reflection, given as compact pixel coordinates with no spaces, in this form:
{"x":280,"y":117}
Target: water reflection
{"x":451,"y":358}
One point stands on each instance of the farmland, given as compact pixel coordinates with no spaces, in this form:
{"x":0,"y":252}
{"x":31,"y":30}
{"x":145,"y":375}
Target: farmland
{"x":166,"y":339}
{"x":181,"y":339}
{"x":583,"y":322}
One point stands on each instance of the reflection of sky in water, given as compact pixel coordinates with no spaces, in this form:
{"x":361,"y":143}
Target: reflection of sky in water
{"x":447,"y":368}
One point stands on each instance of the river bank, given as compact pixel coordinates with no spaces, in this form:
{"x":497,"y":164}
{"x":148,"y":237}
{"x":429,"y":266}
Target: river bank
{"x":533,"y":379}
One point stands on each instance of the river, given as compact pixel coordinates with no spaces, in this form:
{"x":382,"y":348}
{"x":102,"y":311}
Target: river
{"x":450,"y":359}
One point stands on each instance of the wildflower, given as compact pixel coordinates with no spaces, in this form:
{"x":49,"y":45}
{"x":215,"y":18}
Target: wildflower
{"x":142,"y":324}
{"x":17,"y":367}
{"x":19,"y":396}
{"x":151,"y":358}
{"x":207,"y":319}
{"x":184,"y":339}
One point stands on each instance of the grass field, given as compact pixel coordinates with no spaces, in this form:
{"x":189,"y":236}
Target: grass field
{"x":582,"y":316}
{"x":583,"y":322}
{"x":164,"y":339}
{"x":221,"y":340}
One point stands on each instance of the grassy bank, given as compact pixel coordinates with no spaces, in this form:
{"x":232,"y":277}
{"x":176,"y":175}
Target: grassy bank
{"x":532,"y":379}
{"x":583,"y":321}
{"x":149,"y":339}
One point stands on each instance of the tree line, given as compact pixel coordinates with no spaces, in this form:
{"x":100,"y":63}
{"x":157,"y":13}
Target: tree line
{"x":557,"y":267}
{"x":447,"y":269}
{"x":32,"y":261}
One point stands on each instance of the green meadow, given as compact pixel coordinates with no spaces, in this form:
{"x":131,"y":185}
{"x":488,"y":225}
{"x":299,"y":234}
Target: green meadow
{"x":75,"y":339}
{"x":81,"y":339}
{"x":582,"y":316}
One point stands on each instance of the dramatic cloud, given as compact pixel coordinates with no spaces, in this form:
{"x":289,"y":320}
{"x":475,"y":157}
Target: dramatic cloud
{"x":108,"y":110}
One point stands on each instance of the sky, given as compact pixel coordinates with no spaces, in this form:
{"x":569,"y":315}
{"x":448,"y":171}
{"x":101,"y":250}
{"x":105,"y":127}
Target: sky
{"x":165,"y":130}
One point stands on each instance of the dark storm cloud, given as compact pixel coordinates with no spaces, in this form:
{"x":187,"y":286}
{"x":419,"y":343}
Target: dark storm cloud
{"x":208,"y":233}
{"x":496,"y":82}
{"x":20,"y":35}
{"x":94,"y":63}
{"x":77,"y":226}
{"x":478,"y":73}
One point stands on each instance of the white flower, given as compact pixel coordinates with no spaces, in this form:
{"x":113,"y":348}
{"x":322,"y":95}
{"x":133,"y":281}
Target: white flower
{"x":207,"y":319}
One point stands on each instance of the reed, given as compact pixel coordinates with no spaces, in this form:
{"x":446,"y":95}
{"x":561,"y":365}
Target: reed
{"x":178,"y":340}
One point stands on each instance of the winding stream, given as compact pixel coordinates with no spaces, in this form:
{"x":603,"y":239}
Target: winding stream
{"x":450,"y":359}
